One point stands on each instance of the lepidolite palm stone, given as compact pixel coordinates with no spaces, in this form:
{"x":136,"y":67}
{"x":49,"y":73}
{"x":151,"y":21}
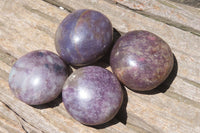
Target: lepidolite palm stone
{"x":141,"y":60}
{"x":38,"y":77}
{"x":83,"y":37}
{"x":92,"y":95}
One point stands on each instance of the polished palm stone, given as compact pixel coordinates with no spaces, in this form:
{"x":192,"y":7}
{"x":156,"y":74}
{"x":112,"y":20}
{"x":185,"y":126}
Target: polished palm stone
{"x":38,"y":77}
{"x":92,"y":95}
{"x":141,"y":60}
{"x":83,"y":37}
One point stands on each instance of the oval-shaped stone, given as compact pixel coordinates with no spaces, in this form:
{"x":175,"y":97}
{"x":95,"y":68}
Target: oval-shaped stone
{"x":141,"y":60}
{"x":38,"y":77}
{"x":83,"y":37}
{"x":92,"y":95}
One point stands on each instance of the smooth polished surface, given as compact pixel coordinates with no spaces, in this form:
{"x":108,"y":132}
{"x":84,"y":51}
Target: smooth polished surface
{"x":92,"y":95}
{"x":83,"y":37}
{"x":38,"y":77}
{"x":141,"y":60}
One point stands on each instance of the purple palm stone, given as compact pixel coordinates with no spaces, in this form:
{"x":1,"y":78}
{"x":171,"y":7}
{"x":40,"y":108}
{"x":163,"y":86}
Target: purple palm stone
{"x":92,"y":95}
{"x":38,"y":77}
{"x":141,"y":60}
{"x":83,"y":37}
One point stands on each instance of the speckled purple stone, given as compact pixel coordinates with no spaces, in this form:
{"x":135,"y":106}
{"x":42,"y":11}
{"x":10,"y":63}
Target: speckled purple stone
{"x":92,"y":95}
{"x":38,"y":77}
{"x":83,"y":37}
{"x":141,"y":60}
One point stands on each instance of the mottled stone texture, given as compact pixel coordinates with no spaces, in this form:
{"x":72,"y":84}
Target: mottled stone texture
{"x":38,"y":77}
{"x":83,"y":37}
{"x":141,"y":60}
{"x":92,"y":95}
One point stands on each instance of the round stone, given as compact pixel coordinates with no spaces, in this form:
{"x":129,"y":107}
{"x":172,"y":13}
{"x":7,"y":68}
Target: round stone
{"x":83,"y":37}
{"x":92,"y":95}
{"x":38,"y":77}
{"x":141,"y":60}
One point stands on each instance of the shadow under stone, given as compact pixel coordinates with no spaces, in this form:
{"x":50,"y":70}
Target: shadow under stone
{"x":51,"y":104}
